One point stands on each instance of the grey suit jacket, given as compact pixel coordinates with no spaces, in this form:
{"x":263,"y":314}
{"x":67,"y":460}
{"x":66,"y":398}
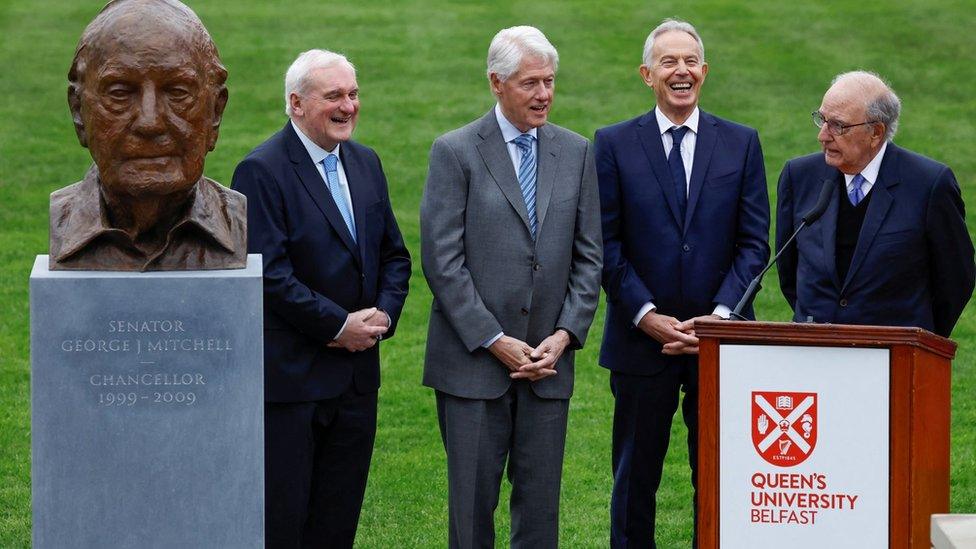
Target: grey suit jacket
{"x":484,"y":270}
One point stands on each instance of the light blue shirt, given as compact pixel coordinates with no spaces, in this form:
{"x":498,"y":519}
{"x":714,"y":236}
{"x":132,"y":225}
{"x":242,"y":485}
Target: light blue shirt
{"x":318,"y":154}
{"x":509,"y":133}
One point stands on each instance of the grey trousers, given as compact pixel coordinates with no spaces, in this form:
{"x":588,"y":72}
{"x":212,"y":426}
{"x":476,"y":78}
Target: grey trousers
{"x":478,"y":436}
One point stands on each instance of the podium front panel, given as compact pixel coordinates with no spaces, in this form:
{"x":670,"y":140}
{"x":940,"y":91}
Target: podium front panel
{"x":804,"y":438}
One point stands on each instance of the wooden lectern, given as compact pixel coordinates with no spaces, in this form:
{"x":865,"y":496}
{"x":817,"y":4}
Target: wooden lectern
{"x":864,"y":458}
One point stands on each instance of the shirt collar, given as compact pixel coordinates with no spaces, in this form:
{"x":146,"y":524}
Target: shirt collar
{"x":317,"y":153}
{"x":870,"y":172}
{"x":86,"y":219}
{"x":664,"y":123}
{"x":509,"y":131}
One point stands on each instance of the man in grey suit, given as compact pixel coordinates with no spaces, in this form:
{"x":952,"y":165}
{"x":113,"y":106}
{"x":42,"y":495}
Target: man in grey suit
{"x":511,"y":248}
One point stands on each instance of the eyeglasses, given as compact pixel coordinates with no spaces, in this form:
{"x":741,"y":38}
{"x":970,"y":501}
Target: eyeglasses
{"x":834,"y":127}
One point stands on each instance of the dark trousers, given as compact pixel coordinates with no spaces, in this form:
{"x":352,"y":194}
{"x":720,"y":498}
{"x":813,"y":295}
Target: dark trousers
{"x":316,"y":458}
{"x":479,"y":436}
{"x":644,"y":408}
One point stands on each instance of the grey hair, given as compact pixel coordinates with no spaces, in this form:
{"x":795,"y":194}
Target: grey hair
{"x":510,"y":45}
{"x":669,"y":25}
{"x":881,"y":102}
{"x":298,"y":76}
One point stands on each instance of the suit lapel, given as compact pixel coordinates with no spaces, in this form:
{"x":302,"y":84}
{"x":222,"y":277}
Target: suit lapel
{"x":704,"y":145}
{"x":878,"y":207}
{"x":311,"y":179}
{"x":828,"y":226}
{"x":650,"y":138}
{"x":352,"y":164}
{"x":494,"y":152}
{"x":548,"y":155}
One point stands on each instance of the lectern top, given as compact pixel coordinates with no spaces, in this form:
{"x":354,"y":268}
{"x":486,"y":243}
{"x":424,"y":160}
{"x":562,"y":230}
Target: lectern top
{"x":833,"y":335}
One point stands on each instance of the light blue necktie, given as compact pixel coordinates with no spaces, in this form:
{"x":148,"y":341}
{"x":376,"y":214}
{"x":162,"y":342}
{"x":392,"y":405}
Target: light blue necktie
{"x":526,"y":177}
{"x":857,"y":193}
{"x":332,"y":177}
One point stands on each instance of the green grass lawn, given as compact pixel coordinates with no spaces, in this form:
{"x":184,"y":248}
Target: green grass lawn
{"x":421,"y":71}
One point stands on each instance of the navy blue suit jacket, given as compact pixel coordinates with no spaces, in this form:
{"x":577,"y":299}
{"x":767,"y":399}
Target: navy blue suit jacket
{"x":913,"y":262}
{"x":647,"y":256}
{"x":314,"y":273}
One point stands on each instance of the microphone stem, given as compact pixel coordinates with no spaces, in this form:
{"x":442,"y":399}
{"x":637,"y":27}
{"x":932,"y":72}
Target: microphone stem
{"x":736,"y":313}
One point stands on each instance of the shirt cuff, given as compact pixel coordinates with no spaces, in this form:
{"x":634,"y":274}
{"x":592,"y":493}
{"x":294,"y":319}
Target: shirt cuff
{"x":339,"y":333}
{"x":722,"y":311}
{"x":491,"y":340}
{"x":648,"y":307}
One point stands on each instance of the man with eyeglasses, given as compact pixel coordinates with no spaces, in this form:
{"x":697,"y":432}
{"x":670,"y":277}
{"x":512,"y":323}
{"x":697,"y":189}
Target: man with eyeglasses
{"x":892,"y":247}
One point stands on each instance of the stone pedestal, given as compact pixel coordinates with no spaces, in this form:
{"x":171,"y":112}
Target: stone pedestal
{"x":147,"y":408}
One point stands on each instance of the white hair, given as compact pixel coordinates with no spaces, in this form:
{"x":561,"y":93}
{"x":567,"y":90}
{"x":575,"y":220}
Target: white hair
{"x":880,"y":101}
{"x":510,"y":45}
{"x":669,"y":25}
{"x":299,"y":73}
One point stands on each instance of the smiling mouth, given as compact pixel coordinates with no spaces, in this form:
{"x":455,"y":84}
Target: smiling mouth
{"x":681,"y":86}
{"x":539,"y":108}
{"x":341,"y":119}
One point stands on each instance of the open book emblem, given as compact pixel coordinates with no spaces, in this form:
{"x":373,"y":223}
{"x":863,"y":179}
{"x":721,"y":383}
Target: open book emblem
{"x":784,"y":426}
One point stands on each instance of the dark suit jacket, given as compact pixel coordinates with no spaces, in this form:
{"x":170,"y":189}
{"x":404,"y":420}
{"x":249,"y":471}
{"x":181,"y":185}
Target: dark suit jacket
{"x":314,"y":274}
{"x":913,"y":263}
{"x":685,"y":270}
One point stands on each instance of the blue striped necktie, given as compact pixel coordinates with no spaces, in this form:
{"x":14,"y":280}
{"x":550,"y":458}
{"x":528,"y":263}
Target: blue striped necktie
{"x":332,"y":177}
{"x":857,"y":193}
{"x":526,"y":177}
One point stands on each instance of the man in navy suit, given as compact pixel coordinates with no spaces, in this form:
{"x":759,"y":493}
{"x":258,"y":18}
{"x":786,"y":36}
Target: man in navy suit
{"x":335,"y":278}
{"x":685,"y":228}
{"x":892,"y":247}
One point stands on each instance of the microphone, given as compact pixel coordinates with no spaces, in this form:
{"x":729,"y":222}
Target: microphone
{"x":809,"y":218}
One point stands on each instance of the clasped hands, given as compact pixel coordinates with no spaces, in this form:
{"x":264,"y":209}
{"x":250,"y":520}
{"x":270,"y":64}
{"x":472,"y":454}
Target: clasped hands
{"x":363,"y":329}
{"x":525,"y":362}
{"x":677,"y":336}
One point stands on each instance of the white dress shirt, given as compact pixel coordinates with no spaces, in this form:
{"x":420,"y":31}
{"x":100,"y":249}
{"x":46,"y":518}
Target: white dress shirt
{"x":869,"y":173}
{"x":688,"y":159}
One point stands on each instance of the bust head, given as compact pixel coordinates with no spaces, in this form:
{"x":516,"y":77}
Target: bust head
{"x":146,"y":92}
{"x":146,"y":95}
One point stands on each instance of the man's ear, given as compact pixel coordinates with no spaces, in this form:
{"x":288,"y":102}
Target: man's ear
{"x":220,"y":103}
{"x":878,"y":130}
{"x":495,"y":83}
{"x":645,"y":73}
{"x":74,"y":104}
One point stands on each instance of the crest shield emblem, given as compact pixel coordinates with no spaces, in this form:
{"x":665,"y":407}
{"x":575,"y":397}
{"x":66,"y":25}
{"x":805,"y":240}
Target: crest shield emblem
{"x":784,"y":426}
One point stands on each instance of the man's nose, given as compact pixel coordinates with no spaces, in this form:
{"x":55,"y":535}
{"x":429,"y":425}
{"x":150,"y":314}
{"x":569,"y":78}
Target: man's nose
{"x":348,"y":104}
{"x":543,"y":92}
{"x":824,"y":134}
{"x":149,"y":118}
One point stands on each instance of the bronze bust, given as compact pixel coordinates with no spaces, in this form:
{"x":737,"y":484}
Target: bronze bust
{"x":146,"y":93}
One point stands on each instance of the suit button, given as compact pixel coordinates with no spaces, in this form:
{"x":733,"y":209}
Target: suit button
{"x":843,"y":303}
{"x":686,"y":247}
{"x":536,"y":267}
{"x":525,"y":311}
